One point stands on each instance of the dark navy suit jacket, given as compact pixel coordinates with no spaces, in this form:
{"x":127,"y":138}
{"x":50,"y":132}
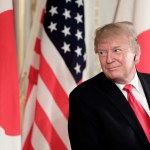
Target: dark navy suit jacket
{"x":100,"y":117}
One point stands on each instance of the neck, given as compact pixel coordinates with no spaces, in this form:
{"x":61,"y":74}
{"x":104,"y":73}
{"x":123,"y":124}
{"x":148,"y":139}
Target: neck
{"x":128,"y":79}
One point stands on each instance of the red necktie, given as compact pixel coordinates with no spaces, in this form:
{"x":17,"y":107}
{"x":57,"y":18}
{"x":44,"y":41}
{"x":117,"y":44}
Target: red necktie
{"x":140,"y":112}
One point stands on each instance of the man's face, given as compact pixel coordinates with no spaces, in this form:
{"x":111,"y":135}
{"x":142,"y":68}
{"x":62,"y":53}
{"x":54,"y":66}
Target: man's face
{"x":117,"y":59}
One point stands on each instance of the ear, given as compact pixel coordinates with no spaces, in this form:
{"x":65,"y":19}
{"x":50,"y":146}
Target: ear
{"x":137,"y":59}
{"x":137,"y":56}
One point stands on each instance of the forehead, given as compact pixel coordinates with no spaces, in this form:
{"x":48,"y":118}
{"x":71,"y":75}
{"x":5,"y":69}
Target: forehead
{"x":113,"y":41}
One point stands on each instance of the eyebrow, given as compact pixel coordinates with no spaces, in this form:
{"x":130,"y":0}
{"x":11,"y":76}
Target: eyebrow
{"x":101,"y":49}
{"x":116,"y":47}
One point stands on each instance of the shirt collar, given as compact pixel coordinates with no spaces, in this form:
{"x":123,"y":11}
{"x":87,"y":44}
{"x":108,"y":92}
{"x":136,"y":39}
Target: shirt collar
{"x":134,"y":82}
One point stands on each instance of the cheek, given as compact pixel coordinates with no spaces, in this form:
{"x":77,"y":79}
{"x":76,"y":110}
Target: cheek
{"x":129,"y":62}
{"x":129,"y":59}
{"x":102,"y":62}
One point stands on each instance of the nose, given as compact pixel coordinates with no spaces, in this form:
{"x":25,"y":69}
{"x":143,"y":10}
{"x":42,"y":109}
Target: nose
{"x":109,"y":57}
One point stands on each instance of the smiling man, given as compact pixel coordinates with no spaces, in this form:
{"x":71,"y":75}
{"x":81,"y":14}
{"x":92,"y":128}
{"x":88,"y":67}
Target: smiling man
{"x":112,"y":109}
{"x":118,"y":51}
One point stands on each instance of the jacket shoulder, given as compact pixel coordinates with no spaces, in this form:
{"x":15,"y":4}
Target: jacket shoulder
{"x":90,"y":84}
{"x":144,"y":76}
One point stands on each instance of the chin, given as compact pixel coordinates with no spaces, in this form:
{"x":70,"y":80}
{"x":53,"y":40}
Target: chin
{"x":114,"y":77}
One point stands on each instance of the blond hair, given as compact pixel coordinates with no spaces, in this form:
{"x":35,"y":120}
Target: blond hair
{"x":116,"y":29}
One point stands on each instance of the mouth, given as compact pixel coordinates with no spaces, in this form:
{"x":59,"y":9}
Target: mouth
{"x":112,"y":68}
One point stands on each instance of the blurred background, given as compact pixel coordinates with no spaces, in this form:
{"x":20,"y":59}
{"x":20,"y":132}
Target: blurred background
{"x":46,"y":77}
{"x":97,"y":14}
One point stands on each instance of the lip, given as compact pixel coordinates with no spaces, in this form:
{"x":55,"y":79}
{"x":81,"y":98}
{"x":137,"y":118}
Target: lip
{"x":112,"y":68}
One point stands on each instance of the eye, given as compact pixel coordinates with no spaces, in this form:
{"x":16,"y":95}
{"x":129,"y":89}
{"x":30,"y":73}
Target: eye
{"x":117,"y":50}
{"x":102,"y":53}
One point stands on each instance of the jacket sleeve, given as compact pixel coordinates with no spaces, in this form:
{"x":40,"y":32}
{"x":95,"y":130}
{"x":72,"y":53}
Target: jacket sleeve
{"x":83,"y":124}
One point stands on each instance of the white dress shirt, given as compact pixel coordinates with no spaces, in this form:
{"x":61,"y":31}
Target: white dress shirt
{"x":137,"y":92}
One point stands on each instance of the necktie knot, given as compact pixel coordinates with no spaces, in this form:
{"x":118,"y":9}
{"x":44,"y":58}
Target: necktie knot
{"x":128,"y":88}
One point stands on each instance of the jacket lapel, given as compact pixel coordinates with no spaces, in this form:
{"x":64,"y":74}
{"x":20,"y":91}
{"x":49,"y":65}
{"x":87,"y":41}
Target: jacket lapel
{"x":119,"y":101}
{"x":145,"y":82}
